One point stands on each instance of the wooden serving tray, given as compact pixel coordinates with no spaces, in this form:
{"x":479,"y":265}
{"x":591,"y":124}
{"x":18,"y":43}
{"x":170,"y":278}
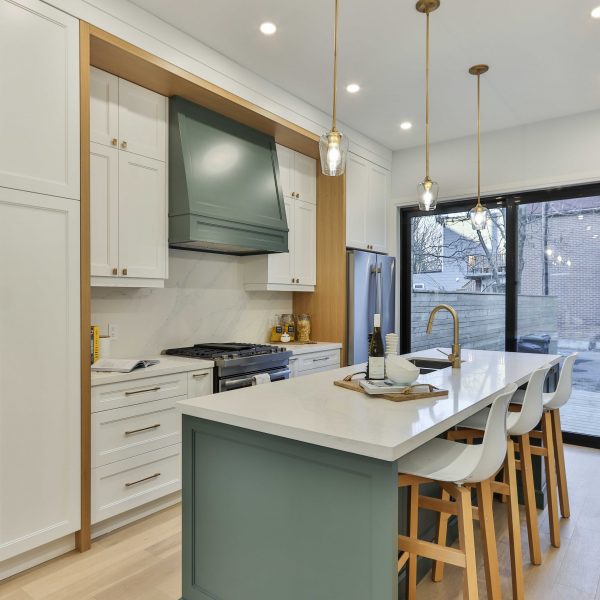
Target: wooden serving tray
{"x":411,"y":392}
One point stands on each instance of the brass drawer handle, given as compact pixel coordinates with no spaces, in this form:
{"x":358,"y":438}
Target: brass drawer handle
{"x":123,"y":144}
{"x":114,"y":141}
{"x":199,"y":375}
{"x":125,"y":271}
{"x":320,"y":359}
{"x":142,"y":429}
{"x":115,"y":271}
{"x":142,"y":480}
{"x":154,"y":389}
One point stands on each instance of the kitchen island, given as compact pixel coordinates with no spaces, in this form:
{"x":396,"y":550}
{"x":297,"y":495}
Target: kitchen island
{"x":290,"y":489}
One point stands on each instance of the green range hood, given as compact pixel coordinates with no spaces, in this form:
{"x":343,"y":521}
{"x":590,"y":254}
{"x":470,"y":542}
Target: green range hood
{"x":224,"y":190}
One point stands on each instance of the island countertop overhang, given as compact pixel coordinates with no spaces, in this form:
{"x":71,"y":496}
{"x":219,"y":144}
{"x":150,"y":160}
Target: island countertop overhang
{"x":311,"y":409}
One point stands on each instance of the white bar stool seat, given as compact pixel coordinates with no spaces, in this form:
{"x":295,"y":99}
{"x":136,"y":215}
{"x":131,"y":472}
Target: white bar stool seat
{"x":452,"y":465}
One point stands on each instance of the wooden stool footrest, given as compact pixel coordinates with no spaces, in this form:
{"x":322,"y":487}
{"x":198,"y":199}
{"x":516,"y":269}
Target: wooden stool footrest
{"x":451,"y":556}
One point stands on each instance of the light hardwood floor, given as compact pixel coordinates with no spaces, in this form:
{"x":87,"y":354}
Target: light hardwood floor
{"x":143,"y":561}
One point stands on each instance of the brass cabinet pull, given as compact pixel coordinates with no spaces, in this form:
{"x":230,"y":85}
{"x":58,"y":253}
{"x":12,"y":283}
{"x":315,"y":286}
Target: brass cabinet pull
{"x":114,"y":141}
{"x":199,"y":375}
{"x":142,"y":429}
{"x":297,"y":280}
{"x":115,"y":271}
{"x":297,"y":194}
{"x":123,"y":144}
{"x":320,"y":359}
{"x":293,"y":280}
{"x":142,"y":480}
{"x":125,"y":271}
{"x":154,"y":389}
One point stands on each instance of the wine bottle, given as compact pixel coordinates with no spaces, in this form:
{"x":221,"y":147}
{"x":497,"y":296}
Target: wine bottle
{"x":376,"y":366}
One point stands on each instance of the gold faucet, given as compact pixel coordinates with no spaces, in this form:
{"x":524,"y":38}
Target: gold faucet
{"x":454,"y":357}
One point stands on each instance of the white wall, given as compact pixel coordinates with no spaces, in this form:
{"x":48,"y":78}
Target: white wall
{"x":203,"y":301}
{"x":131,"y":23}
{"x":558,"y":152}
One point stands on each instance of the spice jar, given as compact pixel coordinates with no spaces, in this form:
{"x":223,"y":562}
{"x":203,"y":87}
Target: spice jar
{"x":303,"y":328}
{"x":289,"y":327}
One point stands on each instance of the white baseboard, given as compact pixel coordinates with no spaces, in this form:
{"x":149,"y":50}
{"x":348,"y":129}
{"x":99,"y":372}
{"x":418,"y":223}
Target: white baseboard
{"x":135,"y":514}
{"x":37,"y":556}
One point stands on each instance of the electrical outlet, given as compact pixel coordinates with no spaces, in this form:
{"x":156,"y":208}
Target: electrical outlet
{"x":113,"y":331}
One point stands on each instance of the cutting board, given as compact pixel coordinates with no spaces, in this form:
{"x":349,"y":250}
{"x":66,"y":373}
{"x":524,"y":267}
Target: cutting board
{"x":411,"y":392}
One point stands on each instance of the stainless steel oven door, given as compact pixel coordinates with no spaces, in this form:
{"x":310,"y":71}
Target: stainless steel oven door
{"x":242,"y":381}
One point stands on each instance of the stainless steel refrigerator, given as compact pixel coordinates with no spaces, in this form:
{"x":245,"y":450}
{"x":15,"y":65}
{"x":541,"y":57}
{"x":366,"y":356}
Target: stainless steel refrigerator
{"x":371,"y":289}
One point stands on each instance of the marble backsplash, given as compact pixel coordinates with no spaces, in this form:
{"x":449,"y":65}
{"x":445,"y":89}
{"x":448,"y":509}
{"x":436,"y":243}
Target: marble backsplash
{"x":203,"y":301}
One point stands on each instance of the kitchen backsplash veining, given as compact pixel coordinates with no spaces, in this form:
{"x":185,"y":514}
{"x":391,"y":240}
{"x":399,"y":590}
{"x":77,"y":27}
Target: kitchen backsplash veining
{"x":203,"y":300}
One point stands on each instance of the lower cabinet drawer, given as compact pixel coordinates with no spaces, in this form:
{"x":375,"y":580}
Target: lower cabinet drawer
{"x":318,"y":360}
{"x":129,"y":483}
{"x":121,"y":433}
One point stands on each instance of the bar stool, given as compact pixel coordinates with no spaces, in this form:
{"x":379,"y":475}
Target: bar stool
{"x":452,"y":465}
{"x":519,"y":425}
{"x":552,"y":448}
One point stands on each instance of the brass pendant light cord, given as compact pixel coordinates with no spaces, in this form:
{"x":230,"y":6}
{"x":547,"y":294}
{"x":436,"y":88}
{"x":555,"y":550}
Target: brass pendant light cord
{"x":335,"y":51}
{"x":427,"y":99}
{"x":479,"y":140}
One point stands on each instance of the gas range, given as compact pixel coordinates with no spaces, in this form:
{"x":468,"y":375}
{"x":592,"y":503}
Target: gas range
{"x":237,"y":364}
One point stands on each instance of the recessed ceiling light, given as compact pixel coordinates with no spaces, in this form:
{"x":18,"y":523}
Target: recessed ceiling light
{"x":406,"y":125}
{"x":596,"y":13}
{"x":352,"y":88}
{"x":268,"y":28}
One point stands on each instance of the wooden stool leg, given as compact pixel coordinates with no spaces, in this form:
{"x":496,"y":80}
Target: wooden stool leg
{"x":563,"y":492}
{"x":437,"y":574}
{"x":548,"y":438}
{"x":533,"y":532}
{"x":488,"y":537}
{"x":503,"y":498}
{"x":467,"y":542}
{"x":413,"y":533}
{"x":514,"y":525}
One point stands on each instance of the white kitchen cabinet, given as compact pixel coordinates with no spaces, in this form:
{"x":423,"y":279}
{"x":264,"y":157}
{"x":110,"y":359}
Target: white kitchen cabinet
{"x":142,"y":121}
{"x":39,"y":103}
{"x":127,"y":116}
{"x":309,"y":363}
{"x":367,"y":196}
{"x":104,"y":108}
{"x":129,"y":245}
{"x":40,"y":370}
{"x":136,"y":442}
{"x":104,"y":210}
{"x":295,"y":270}
{"x":298,"y":174}
{"x":142,"y":217}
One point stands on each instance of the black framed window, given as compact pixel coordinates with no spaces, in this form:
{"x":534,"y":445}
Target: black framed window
{"x":530,"y":282}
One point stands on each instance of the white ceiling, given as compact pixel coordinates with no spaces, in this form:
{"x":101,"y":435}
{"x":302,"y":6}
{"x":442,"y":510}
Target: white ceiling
{"x":544,"y":57}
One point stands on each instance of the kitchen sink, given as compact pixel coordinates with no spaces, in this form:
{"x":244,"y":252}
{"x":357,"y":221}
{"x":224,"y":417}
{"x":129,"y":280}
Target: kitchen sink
{"x":428,"y":365}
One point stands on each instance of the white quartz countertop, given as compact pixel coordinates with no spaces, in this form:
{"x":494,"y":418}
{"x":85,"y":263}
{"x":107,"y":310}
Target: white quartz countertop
{"x":166,"y":366}
{"x":297,"y":348}
{"x":311,"y":409}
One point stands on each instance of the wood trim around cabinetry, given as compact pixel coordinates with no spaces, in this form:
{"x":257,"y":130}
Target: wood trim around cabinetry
{"x":83,"y":536}
{"x":112,"y":54}
{"x":327,"y":304}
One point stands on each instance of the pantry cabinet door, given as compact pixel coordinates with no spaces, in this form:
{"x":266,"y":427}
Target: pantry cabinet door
{"x":142,"y":121}
{"x":39,"y":99}
{"x":104,"y":108}
{"x":104,"y":210}
{"x":377,"y":207}
{"x":39,"y":370}
{"x":357,"y":194}
{"x":142,"y":217}
{"x":281,"y":266}
{"x":305,"y":178}
{"x":305,"y":255}
{"x":285,"y":158}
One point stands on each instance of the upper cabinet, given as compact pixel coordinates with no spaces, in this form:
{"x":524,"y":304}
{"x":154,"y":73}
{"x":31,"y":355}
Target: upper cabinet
{"x":129,"y":246}
{"x":39,"y":103}
{"x":367,"y":195}
{"x":295,"y":270}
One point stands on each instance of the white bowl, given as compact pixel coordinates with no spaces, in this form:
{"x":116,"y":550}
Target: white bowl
{"x":399,"y":370}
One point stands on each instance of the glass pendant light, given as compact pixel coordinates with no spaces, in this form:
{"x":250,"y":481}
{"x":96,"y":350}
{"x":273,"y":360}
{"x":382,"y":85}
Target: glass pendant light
{"x":333,"y":145}
{"x":479,"y":214}
{"x":427,"y":190}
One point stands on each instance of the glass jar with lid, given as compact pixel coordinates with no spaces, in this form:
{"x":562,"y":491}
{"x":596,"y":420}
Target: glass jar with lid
{"x":289,"y":326}
{"x":303,"y":328}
